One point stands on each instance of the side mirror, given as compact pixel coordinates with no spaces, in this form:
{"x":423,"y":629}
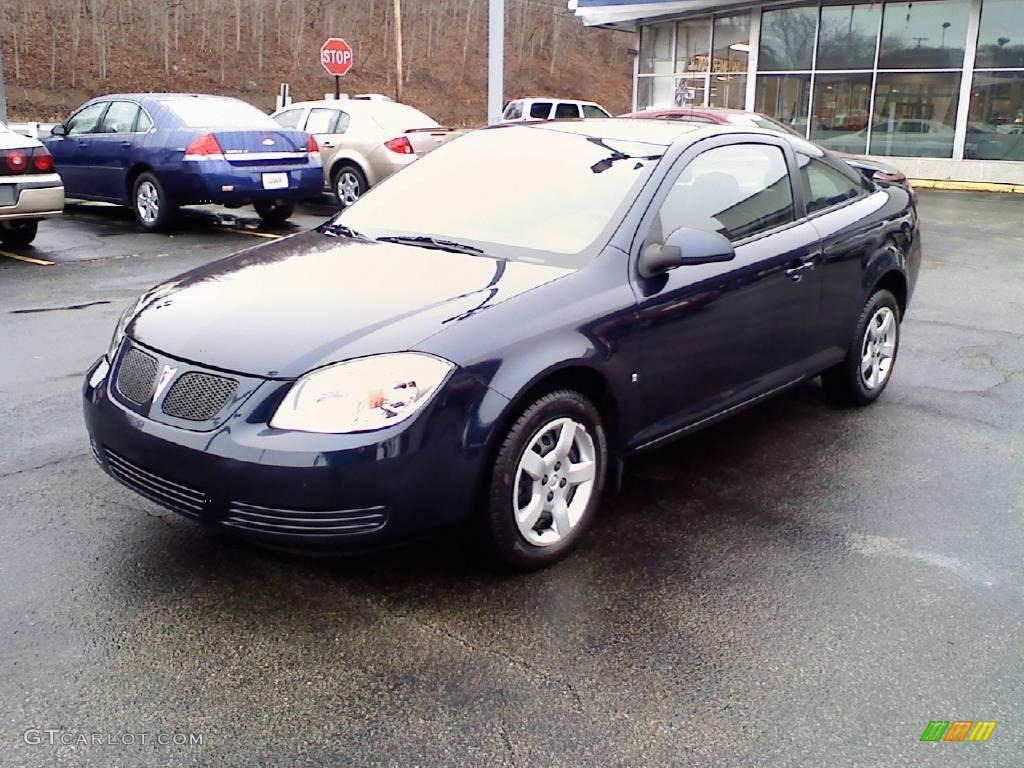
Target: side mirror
{"x":684,"y":246}
{"x":58,"y":130}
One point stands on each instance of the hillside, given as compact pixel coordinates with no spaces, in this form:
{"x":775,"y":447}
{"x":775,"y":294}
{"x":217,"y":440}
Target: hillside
{"x":58,"y":53}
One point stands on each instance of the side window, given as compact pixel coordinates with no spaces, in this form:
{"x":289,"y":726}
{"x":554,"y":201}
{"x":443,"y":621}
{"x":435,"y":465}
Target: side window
{"x":514,"y":111}
{"x":145,"y":124}
{"x":540,"y":110}
{"x":826,"y":185}
{"x":120,"y":118}
{"x":589,"y":110}
{"x":736,"y":191}
{"x":565,"y":111}
{"x":86,"y":120}
{"x":323,"y":121}
{"x":289,"y":118}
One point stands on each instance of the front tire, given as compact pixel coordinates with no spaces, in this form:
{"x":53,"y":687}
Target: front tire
{"x":150,"y":204}
{"x":19,"y":232}
{"x":274,"y":212}
{"x":547,"y":480}
{"x":863,"y":375}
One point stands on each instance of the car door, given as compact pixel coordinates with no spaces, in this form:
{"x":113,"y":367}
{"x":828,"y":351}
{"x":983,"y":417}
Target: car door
{"x":844,"y":210}
{"x":72,"y":152}
{"x":716,"y":335}
{"x":328,"y":127}
{"x":112,"y":144}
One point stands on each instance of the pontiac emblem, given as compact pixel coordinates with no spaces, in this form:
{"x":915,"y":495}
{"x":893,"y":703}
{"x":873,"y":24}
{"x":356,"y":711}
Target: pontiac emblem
{"x":165,"y":377}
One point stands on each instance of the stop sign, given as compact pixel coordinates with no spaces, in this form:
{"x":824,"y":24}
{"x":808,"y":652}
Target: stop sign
{"x":336,"y":56}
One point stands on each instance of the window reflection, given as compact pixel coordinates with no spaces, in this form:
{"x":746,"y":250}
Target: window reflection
{"x":656,"y":49}
{"x":692,"y":40}
{"x":785,"y":98}
{"x":1001,"y":36}
{"x":848,"y":36}
{"x":731,"y":44}
{"x":995,"y":129}
{"x":915,"y":114}
{"x":787,"y":38}
{"x":924,"y":34}
{"x":728,"y":91}
{"x":841,"y":111}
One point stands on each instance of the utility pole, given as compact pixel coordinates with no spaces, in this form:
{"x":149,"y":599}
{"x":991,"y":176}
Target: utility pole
{"x":398,"y":51}
{"x":3,"y":90}
{"x":495,"y":60}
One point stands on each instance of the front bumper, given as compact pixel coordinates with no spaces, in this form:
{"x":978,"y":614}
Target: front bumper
{"x":288,"y":489}
{"x":36,"y":197}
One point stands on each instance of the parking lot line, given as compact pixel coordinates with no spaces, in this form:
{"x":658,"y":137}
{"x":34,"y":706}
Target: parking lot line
{"x":28,"y":259}
{"x":256,"y":234}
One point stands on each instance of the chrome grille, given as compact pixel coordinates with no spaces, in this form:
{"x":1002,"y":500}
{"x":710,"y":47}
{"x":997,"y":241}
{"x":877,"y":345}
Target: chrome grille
{"x":176,"y":497}
{"x":251,"y":517}
{"x":136,"y":375}
{"x":198,"y":396}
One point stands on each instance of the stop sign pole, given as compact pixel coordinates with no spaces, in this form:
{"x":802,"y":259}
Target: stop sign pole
{"x":336,"y":57}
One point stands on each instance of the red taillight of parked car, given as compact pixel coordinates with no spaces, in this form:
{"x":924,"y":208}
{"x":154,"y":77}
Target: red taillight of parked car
{"x":401,"y":146}
{"x":42,"y":160}
{"x":204,"y":147}
{"x":17,"y":161}
{"x":312,"y":147}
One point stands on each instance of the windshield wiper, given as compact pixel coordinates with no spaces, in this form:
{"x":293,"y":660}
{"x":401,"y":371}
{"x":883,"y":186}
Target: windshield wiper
{"x":340,"y":230}
{"x":423,"y":241}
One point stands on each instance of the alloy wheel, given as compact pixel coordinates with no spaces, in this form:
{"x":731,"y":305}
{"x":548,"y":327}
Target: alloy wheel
{"x":147,"y":202}
{"x":348,"y":188}
{"x":554,"y":481}
{"x":878,"y":348}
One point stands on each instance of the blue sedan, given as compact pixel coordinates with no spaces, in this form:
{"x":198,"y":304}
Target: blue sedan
{"x":156,"y":152}
{"x":494,"y":353}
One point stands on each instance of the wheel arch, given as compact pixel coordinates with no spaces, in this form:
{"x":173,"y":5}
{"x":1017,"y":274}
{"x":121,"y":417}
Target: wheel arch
{"x":886,"y":270}
{"x":342,"y":160}
{"x":134,"y":171}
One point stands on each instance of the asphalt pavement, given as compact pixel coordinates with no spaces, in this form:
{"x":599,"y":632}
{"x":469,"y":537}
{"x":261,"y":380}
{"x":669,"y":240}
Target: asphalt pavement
{"x":799,"y":586}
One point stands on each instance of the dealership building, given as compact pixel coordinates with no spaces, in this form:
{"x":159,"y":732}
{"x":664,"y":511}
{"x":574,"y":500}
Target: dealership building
{"x":937,"y":85}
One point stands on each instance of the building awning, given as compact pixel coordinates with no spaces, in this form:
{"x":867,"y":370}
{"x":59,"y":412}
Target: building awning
{"x":624,"y":14}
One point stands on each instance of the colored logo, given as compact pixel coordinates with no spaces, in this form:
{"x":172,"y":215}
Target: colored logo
{"x":958,"y":730}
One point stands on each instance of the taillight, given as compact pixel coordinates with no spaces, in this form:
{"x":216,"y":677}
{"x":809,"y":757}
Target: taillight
{"x":894,"y":178}
{"x":401,"y":146}
{"x":311,"y":146}
{"x":42,"y":160}
{"x":17,"y":161}
{"x":204,"y":146}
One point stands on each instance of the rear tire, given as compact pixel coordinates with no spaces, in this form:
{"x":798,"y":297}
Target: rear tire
{"x":274,"y":212}
{"x":18,"y":232}
{"x":349,"y":184}
{"x":547,"y":480}
{"x":871,"y":357}
{"x":150,"y":204}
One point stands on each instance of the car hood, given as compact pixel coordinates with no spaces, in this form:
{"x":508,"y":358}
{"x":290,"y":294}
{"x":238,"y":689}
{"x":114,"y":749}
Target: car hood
{"x":281,"y":309}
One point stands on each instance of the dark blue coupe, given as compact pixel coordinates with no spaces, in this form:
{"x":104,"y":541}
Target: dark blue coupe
{"x":155,"y":152}
{"x":488,"y":334}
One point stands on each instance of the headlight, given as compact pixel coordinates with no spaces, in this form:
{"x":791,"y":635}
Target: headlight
{"x":119,"y":329}
{"x":361,"y":395}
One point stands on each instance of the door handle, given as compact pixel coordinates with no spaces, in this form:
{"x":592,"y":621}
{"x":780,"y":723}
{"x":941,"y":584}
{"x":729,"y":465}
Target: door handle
{"x":126,"y":144}
{"x":796,"y":272}
{"x":327,"y":144}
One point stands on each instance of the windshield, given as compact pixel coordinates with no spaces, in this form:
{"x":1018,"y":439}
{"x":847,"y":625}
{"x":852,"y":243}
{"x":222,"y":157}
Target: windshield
{"x":527,"y":193}
{"x":220,"y":113}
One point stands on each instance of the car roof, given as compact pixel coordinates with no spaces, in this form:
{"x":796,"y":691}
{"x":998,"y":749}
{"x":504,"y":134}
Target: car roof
{"x":555,"y":98}
{"x":644,"y":131}
{"x":351,"y":105}
{"x":683,"y":111}
{"x":161,"y":96}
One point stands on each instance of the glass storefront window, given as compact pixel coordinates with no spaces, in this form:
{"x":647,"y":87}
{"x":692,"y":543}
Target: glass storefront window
{"x":840,"y":113}
{"x":995,"y":129}
{"x":655,"y":92}
{"x":848,"y":36}
{"x":915,"y":114}
{"x":1001,"y":36}
{"x":731,"y":46}
{"x":924,"y":34}
{"x":785,"y":98}
{"x":728,"y":91}
{"x":787,"y":38}
{"x":693,"y":39}
{"x":656,"y":49}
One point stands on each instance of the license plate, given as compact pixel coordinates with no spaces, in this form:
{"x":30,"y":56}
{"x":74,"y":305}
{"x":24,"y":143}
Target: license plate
{"x":6,"y":194}
{"x":275,"y":181}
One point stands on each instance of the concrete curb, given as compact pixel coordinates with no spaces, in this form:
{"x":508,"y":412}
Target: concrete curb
{"x":966,"y":186}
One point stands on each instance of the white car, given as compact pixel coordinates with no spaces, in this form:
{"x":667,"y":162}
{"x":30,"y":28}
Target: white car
{"x":522,"y":110}
{"x":30,"y":188}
